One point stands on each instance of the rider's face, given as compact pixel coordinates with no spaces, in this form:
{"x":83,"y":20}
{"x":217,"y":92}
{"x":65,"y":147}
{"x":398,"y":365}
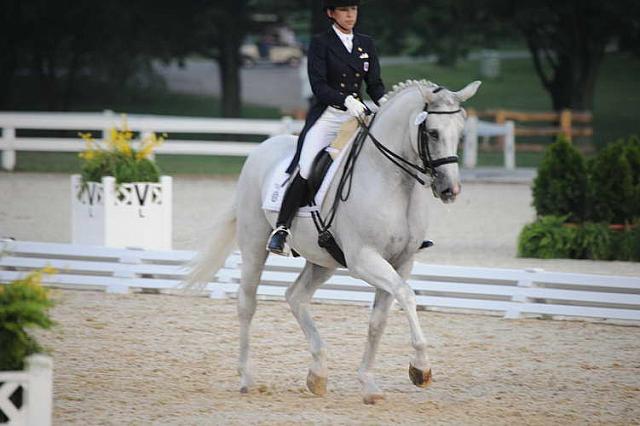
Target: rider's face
{"x":345,"y":17}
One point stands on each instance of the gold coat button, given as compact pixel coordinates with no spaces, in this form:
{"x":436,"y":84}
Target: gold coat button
{"x":344,"y":75}
{"x":357,"y":74}
{"x":341,"y":84}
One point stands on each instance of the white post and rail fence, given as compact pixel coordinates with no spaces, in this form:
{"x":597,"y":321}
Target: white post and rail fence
{"x":503,"y":128}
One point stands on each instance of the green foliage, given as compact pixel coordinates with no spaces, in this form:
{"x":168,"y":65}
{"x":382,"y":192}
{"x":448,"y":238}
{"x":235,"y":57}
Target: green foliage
{"x":550,"y":237}
{"x":626,"y":245}
{"x":560,"y":188}
{"x":615,"y":183}
{"x":23,"y":304}
{"x":123,"y":168}
{"x":546,"y":238}
{"x":591,"y":241}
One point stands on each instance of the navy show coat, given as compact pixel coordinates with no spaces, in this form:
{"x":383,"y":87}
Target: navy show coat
{"x":334,"y":74}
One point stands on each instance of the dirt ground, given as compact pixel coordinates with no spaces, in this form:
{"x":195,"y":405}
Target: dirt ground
{"x":157,"y":359}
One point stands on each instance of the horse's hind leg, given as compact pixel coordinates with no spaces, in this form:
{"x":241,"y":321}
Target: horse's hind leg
{"x":299,"y":295}
{"x":252,"y":245}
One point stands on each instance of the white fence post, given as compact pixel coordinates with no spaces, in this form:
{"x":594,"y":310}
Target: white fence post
{"x":40,"y":390}
{"x":471,"y":142}
{"x":510,"y":146}
{"x":287,"y":125}
{"x":108,"y":124}
{"x":8,"y":153}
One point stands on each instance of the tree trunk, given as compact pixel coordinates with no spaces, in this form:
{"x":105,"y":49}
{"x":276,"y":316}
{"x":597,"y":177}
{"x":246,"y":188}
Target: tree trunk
{"x":229,"y":62}
{"x":319,"y":20}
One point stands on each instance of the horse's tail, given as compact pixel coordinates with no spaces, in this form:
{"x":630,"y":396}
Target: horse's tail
{"x":222,"y":236}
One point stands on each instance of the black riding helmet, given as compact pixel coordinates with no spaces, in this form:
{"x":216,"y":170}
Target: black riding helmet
{"x":332,"y":4}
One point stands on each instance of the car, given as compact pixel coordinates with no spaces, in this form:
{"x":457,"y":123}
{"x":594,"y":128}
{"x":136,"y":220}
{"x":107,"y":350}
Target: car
{"x":275,"y":53}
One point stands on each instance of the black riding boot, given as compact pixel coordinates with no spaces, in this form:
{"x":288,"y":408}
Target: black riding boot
{"x":293,"y":197}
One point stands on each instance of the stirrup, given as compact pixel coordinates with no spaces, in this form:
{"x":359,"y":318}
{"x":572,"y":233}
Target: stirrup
{"x":275,"y":248}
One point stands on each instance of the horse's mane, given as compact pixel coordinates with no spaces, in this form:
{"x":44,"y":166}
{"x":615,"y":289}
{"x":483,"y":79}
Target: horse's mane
{"x":402,"y":86}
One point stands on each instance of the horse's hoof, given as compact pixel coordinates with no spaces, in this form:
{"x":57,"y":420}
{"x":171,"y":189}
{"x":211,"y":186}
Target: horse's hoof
{"x":373,"y":398}
{"x":316,"y":384}
{"x":244,"y":389}
{"x":420,"y":378}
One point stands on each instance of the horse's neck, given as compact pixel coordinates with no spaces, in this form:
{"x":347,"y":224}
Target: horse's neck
{"x":392,"y":129}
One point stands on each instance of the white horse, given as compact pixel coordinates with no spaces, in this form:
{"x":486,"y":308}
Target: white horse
{"x":379,"y":228}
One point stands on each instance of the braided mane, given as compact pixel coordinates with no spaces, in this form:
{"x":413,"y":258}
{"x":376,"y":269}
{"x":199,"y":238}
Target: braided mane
{"x":401,"y":87}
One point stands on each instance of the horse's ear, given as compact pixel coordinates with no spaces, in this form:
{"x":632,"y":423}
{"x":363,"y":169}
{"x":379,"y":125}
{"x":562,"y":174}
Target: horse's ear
{"x":468,"y":91}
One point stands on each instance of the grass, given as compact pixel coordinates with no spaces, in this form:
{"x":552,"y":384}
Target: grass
{"x":518,"y":87}
{"x":615,"y":110}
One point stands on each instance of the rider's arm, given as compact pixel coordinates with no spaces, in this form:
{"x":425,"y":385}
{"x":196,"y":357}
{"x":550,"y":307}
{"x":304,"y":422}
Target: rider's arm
{"x":317,"y":69}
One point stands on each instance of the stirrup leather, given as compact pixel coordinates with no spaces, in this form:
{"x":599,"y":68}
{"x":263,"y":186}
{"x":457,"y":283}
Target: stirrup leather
{"x":286,"y":250}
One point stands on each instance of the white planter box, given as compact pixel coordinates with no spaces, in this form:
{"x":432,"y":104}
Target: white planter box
{"x":127,"y":215}
{"x":37,"y":392}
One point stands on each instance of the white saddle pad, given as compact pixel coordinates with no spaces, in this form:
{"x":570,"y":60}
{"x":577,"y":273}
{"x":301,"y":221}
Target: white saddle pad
{"x":276,"y":184}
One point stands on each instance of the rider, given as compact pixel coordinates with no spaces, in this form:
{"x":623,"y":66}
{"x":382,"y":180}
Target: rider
{"x":339,"y":60}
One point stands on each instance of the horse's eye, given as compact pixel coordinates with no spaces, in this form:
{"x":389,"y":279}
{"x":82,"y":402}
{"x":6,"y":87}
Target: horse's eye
{"x":433,"y":134}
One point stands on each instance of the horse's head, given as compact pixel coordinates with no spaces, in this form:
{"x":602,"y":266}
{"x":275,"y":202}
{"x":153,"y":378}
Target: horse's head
{"x":440,"y":129}
{"x":436,"y":125}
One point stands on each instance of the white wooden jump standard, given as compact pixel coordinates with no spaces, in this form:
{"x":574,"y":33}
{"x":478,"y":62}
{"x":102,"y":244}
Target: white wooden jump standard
{"x":512,"y":292}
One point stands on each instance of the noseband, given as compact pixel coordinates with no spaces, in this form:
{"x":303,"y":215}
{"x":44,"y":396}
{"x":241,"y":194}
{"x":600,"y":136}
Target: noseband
{"x":429,"y":165}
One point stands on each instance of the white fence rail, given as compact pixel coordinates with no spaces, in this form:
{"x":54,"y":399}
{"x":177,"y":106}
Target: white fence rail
{"x":510,"y":292}
{"x":12,"y":122}
{"x":36,"y":382}
{"x":475,"y":128}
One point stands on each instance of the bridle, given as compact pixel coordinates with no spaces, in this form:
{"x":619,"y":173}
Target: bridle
{"x":429,"y":165}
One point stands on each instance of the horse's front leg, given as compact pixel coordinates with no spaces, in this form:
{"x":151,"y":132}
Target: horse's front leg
{"x":299,"y":295}
{"x":372,"y":268}
{"x":377,"y":323}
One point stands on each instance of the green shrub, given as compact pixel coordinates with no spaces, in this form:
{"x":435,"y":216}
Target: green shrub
{"x":561,"y":187}
{"x":615,"y":183}
{"x":23,"y":304}
{"x":592,"y":241}
{"x":626,"y":245}
{"x":547,"y":238}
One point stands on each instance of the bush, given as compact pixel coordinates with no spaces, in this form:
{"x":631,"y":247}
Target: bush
{"x":23,"y":304}
{"x":120,"y":159}
{"x":592,"y":241}
{"x":626,"y":245}
{"x":561,"y":187}
{"x":547,"y":238}
{"x":615,"y":183}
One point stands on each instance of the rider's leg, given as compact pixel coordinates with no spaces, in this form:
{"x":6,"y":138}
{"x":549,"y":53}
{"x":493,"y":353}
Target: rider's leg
{"x":318,"y":137}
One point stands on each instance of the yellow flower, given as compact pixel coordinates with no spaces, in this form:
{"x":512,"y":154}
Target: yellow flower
{"x":149,"y":144}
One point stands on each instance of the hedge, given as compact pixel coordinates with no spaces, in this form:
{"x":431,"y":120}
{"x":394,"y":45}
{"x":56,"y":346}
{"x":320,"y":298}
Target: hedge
{"x":576,"y":201}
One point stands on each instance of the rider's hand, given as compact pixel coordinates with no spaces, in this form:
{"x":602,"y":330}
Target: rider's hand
{"x":355,"y":107}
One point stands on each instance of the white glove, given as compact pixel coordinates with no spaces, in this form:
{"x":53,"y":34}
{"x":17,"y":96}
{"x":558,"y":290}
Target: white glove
{"x":355,"y":107}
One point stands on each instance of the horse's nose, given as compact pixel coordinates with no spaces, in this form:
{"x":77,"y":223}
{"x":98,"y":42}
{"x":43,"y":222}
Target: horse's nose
{"x":457,"y":188}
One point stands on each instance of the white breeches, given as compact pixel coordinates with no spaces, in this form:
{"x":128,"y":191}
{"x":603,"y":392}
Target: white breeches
{"x":319,"y":136}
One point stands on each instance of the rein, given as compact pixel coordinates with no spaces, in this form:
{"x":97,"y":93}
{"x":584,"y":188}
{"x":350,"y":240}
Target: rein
{"x":429,"y":165}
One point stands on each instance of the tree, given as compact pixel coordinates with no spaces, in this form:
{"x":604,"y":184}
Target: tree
{"x":448,"y":29}
{"x":567,"y":40}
